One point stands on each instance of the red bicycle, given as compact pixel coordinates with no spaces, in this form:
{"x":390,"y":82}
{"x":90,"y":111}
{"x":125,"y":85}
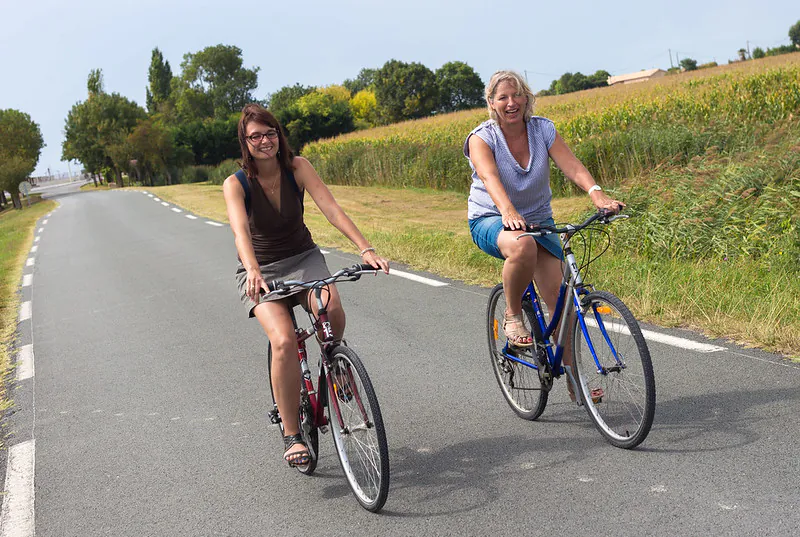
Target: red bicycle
{"x":344,"y":388}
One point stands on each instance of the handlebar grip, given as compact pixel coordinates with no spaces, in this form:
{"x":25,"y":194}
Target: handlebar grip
{"x":529,"y":228}
{"x":364,"y":267}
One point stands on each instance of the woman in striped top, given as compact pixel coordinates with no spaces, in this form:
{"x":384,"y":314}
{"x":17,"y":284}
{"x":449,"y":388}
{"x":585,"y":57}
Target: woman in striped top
{"x":509,"y":155}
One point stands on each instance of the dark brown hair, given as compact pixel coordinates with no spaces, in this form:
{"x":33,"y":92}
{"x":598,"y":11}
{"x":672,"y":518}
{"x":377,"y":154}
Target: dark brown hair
{"x":254,"y":112}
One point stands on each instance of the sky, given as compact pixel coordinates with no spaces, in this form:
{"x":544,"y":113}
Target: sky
{"x":48,"y":47}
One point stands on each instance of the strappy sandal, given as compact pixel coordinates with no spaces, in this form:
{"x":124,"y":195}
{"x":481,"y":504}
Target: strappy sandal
{"x":296,"y":458}
{"x":597,"y":395}
{"x":515,"y":331}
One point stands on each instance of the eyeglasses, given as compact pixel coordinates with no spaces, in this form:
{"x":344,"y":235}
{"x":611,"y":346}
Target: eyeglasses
{"x":257,"y":137}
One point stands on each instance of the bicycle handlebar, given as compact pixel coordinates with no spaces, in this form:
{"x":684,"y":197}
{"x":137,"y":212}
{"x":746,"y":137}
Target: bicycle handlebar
{"x":352,"y":274}
{"x":604,"y":216}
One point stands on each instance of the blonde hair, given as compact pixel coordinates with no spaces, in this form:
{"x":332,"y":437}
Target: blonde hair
{"x":519,"y":83}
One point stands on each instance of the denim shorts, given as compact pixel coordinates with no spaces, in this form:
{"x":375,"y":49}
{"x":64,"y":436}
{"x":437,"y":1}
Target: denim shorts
{"x":486,"y":229}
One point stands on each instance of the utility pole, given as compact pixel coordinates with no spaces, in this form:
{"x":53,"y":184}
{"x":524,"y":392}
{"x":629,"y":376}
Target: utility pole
{"x":670,"y":58}
{"x":748,"y":49}
{"x":526,"y":76}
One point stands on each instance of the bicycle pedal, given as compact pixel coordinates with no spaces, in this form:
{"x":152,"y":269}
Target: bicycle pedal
{"x":274,"y":417}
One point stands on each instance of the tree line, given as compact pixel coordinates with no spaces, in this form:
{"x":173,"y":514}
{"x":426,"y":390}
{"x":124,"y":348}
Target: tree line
{"x":191,"y":117}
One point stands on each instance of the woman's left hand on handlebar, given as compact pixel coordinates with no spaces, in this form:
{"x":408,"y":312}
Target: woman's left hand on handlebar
{"x":602,"y":201}
{"x":376,"y":261}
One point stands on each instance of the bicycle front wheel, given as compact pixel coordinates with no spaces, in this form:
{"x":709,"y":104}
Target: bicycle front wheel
{"x":520,"y":384}
{"x":357,"y":429}
{"x":308,"y":429}
{"x":617,"y":384}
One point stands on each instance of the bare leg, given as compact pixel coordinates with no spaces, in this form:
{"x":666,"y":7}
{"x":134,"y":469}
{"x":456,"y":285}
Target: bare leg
{"x":335,"y":311}
{"x":276,"y":321}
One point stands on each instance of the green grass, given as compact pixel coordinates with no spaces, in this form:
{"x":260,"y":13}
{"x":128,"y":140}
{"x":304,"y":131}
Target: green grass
{"x":16,"y":238}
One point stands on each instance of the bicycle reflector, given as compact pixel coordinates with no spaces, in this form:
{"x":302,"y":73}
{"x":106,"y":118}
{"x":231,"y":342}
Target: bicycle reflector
{"x":494,"y":326}
{"x":603,"y":309}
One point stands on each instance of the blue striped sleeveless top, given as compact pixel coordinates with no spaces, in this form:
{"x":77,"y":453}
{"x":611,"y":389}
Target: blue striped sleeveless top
{"x":528,"y":188}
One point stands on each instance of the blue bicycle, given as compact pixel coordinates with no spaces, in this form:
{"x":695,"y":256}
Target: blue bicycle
{"x":611,"y":368}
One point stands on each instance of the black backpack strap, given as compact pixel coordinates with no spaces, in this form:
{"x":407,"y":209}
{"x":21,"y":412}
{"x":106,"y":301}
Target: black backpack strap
{"x":242,"y":177}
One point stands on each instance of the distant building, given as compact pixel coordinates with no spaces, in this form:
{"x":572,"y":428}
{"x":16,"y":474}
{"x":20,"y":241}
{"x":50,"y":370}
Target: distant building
{"x":640,"y":76}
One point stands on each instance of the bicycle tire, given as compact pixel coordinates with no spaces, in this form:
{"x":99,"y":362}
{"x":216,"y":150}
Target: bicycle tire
{"x":364,"y":457}
{"x":624,"y":411}
{"x":308,"y":428}
{"x":520,"y":385}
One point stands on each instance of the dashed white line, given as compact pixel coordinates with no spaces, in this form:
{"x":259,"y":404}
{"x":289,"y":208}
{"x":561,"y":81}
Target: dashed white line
{"x":37,"y":238}
{"x":29,"y":262}
{"x":156,"y":199}
{"x":150,"y":196}
{"x":17,"y":516}
{"x":25,"y":311}
{"x":665,"y":339}
{"x":27,"y":280}
{"x":45,"y":221}
{"x":25,"y":367}
{"x":40,"y":230}
{"x":415,"y":278}
{"x":216,"y":224}
{"x":165,"y":204}
{"x":191,"y":217}
{"x":176,"y":210}
{"x":34,"y":248}
{"x":323,"y":251}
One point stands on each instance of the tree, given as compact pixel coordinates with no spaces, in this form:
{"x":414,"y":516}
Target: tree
{"x":208,"y":141}
{"x":364,"y":106}
{"x":322,"y":113}
{"x":405,"y":90}
{"x":20,"y":146}
{"x":216,"y":73}
{"x":570,"y":82}
{"x":282,"y":100}
{"x":758,"y":53}
{"x":363,"y":81}
{"x":96,"y":128}
{"x":460,"y":87}
{"x":159,"y":77}
{"x":152,"y":146}
{"x":94,"y":83}
{"x":794,"y":34}
{"x":688,"y":64}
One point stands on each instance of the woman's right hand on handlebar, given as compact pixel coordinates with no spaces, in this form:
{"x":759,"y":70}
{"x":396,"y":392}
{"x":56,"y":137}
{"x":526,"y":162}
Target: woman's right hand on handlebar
{"x":513,"y":220}
{"x":255,"y":283}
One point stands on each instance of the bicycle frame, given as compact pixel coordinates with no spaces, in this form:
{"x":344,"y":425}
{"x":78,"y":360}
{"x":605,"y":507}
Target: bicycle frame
{"x":317,"y":398}
{"x":571,"y":284}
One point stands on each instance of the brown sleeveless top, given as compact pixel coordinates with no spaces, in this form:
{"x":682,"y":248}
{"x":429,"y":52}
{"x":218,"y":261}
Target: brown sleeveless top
{"x":278,"y":235}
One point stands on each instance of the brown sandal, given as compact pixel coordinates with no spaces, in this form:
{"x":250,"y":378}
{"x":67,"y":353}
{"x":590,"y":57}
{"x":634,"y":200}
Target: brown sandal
{"x":515,"y":331}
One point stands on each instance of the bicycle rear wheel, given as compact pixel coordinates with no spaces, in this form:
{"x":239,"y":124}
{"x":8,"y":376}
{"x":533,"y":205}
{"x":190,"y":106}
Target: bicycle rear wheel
{"x":519,"y":383}
{"x":357,"y":429}
{"x":308,"y":429}
{"x":620,"y":393}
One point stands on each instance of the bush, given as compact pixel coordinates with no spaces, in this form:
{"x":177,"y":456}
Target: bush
{"x":194,"y":174}
{"x":218,"y":174}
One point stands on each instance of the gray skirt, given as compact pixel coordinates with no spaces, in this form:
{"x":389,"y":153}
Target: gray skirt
{"x":307,"y":266}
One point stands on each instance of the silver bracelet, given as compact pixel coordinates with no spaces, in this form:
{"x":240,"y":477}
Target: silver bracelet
{"x":593,"y":188}
{"x":365,"y":250}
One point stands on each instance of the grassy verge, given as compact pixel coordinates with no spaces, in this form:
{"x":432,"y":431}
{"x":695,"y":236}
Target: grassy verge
{"x":92,"y":186}
{"x":16,"y":237}
{"x":427,"y":230}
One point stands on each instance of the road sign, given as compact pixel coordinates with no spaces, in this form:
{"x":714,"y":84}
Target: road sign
{"x":25,"y":188}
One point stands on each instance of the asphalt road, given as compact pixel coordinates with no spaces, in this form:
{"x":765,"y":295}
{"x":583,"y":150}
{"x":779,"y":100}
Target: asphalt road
{"x":148,"y":408}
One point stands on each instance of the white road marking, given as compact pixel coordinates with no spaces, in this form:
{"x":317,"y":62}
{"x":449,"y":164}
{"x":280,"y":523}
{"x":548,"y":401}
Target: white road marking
{"x":40,"y":230}
{"x":165,"y":204}
{"x":665,"y":339}
{"x":25,"y":311}
{"x":37,"y":238}
{"x":34,"y":248}
{"x":27,"y":280}
{"x":323,"y":251}
{"x":175,"y":209}
{"x":191,"y":217}
{"x":658,"y":489}
{"x":45,"y":221}
{"x":419,"y":279}
{"x":150,"y":196}
{"x":25,"y":367}
{"x":17,"y":516}
{"x":217,"y":224}
{"x":29,"y":262}
{"x":156,"y":199}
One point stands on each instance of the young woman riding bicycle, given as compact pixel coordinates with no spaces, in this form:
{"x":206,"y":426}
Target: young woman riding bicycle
{"x":509,"y":155}
{"x":274,"y":243}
